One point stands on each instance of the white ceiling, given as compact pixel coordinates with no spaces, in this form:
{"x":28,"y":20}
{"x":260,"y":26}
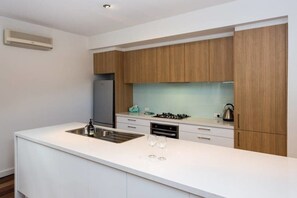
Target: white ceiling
{"x":88,"y":17}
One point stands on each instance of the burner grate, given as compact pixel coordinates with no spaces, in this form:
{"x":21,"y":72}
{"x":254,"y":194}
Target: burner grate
{"x":172,"y":116}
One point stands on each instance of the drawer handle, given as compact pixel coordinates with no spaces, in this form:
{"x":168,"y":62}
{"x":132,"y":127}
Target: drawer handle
{"x":238,"y":139}
{"x":132,"y":120}
{"x":204,"y":138}
{"x":131,"y":127}
{"x":204,"y":129}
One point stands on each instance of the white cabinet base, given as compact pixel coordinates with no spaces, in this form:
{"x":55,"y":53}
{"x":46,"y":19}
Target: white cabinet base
{"x":47,"y":173}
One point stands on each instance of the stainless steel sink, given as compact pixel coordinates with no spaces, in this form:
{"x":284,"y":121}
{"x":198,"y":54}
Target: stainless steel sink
{"x":107,"y":135}
{"x":79,"y":131}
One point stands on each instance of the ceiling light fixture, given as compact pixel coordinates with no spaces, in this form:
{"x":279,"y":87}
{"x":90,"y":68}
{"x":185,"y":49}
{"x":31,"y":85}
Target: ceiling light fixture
{"x":106,"y":6}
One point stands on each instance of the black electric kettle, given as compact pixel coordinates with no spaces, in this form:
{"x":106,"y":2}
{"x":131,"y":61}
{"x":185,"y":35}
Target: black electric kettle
{"x":228,"y":113}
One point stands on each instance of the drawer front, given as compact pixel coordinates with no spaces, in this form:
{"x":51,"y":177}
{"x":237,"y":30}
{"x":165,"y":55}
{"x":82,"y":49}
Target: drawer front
{"x":207,"y":139}
{"x":227,"y":133}
{"x":133,"y":121}
{"x":135,"y":128}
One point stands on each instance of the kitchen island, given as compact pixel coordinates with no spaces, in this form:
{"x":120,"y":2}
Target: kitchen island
{"x":53,"y":163}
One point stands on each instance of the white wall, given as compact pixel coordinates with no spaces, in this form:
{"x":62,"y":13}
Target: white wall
{"x":40,"y":88}
{"x":229,"y":14}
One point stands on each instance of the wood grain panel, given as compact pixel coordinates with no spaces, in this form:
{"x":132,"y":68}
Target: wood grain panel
{"x":260,"y":89}
{"x":98,"y":60}
{"x":177,"y":63}
{"x":123,"y":92}
{"x":197,"y":61}
{"x":105,"y":62}
{"x":221,"y":59}
{"x":163,"y":64}
{"x":7,"y":186}
{"x":148,"y":66}
{"x":281,"y":71}
{"x":170,"y":63}
{"x":261,"y":142}
{"x":131,"y":62}
{"x":140,"y":66}
{"x":257,"y":80}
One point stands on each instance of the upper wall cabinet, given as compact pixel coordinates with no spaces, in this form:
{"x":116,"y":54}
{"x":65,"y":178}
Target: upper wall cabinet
{"x":140,"y":66}
{"x":171,"y":63}
{"x":197,"y":61}
{"x":202,"y":61}
{"x":221,"y":59}
{"x":106,"y":62}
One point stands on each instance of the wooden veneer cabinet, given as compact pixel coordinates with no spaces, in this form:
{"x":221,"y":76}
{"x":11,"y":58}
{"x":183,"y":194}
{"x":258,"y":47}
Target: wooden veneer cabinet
{"x":201,"y":61}
{"x":171,"y":63}
{"x":106,"y":62}
{"x":140,"y":66}
{"x":221,"y":59}
{"x":197,"y":61}
{"x":209,"y":61}
{"x":260,"y":88}
{"x":112,"y":62}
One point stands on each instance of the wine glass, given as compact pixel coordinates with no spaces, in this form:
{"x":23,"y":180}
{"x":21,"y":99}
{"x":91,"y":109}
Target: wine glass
{"x":162,"y":144}
{"x":152,"y":140}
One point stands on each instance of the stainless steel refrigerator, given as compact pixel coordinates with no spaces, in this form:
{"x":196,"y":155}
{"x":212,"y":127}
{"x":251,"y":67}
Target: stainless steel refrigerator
{"x":103,"y":103}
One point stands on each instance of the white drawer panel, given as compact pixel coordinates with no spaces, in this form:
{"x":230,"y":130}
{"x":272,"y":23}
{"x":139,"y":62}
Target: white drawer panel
{"x":208,"y":139}
{"x":228,"y":133}
{"x":134,"y":121}
{"x":135,"y":128}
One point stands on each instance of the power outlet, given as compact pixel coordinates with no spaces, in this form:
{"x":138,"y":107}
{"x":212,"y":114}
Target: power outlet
{"x":217,"y":115}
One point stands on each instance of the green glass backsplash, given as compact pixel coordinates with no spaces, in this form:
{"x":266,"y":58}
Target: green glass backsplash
{"x":195,"y":99}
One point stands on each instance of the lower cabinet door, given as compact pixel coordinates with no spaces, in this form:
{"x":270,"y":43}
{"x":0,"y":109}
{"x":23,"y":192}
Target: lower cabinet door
{"x":261,"y":142}
{"x":106,"y":182}
{"x":47,"y":173}
{"x":138,"y":187}
{"x":207,"y":139}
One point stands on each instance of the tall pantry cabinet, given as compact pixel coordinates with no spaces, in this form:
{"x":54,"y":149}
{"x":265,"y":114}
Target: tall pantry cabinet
{"x":260,"y":83}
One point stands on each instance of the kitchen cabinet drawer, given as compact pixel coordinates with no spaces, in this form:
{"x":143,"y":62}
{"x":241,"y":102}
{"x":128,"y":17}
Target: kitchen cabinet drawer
{"x":135,"y":128}
{"x":207,"y":139}
{"x":133,"y":121}
{"x":205,"y":130}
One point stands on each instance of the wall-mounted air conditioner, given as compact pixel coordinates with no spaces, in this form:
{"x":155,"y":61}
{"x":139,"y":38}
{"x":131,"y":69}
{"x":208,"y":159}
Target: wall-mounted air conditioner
{"x":19,"y":39}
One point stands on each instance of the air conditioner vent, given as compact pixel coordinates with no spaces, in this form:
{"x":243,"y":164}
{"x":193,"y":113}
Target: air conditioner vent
{"x":20,"y":39}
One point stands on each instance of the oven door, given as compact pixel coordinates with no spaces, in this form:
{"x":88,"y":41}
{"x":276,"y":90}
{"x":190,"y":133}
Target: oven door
{"x":166,"y":130}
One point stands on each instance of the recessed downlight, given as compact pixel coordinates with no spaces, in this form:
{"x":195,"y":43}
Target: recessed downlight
{"x":106,"y":6}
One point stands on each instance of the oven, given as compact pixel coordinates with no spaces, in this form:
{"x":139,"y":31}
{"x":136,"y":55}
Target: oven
{"x":167,"y":130}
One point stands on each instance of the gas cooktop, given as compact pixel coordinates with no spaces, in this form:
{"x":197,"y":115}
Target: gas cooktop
{"x":172,"y":116}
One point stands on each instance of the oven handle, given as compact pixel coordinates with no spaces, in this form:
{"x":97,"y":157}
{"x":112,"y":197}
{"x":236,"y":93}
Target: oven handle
{"x":166,"y":134}
{"x":164,"y":130}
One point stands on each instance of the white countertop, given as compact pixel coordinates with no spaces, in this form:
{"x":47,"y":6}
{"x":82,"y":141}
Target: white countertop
{"x":216,"y":122}
{"x":201,"y":169}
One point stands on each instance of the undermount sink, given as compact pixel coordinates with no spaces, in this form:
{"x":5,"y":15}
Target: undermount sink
{"x":107,"y":135}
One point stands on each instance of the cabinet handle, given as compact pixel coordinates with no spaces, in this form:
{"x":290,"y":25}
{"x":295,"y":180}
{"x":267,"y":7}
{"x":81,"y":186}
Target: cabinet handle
{"x":204,"y":129}
{"x":131,"y":120}
{"x":238,"y":120}
{"x":131,"y":127}
{"x":238,"y":139}
{"x":204,"y":138}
